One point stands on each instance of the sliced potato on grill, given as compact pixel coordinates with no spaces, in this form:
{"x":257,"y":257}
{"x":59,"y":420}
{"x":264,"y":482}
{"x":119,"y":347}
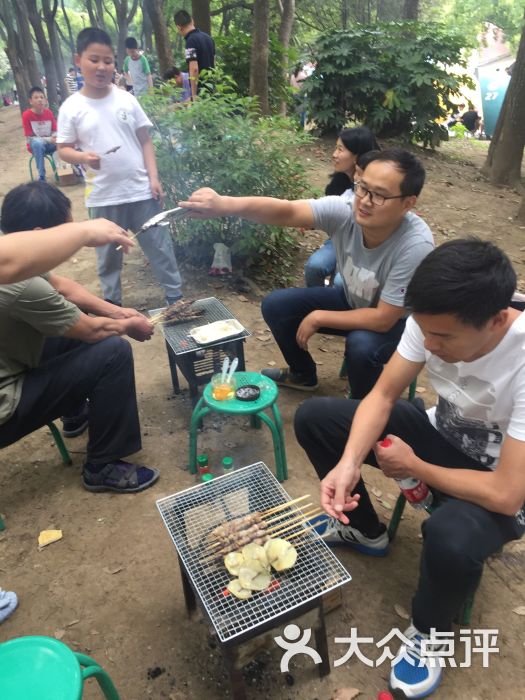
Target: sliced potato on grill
{"x":281,"y":554}
{"x":255,"y":553}
{"x":233,"y":562}
{"x":256,"y":579}
{"x":238,"y":591}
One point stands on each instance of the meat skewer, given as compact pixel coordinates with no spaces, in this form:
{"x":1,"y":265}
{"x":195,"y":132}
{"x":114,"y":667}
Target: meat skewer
{"x":179,"y":312}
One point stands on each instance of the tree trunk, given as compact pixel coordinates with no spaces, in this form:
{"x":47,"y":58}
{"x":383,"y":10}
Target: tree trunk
{"x":259,"y":57}
{"x":345,"y":13}
{"x":123,"y":20}
{"x":410,"y":9}
{"x":71,"y":38}
{"x":285,"y":32}
{"x":49,"y":12}
{"x":503,"y":164}
{"x":147,"y":33}
{"x":200,"y":10}
{"x":45,"y":53}
{"x":155,"y":10}
{"x":520,"y":216}
{"x":14,"y":53}
{"x":27,"y":56}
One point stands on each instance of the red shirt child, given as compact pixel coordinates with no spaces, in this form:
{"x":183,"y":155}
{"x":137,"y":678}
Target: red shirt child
{"x":38,"y":121}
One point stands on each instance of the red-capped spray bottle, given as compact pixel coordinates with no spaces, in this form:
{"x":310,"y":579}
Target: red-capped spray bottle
{"x":415,"y":491}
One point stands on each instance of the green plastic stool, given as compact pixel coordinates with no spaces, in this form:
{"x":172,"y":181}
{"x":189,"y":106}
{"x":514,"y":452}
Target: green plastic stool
{"x":42,"y":668}
{"x":255,"y":409}
{"x":51,"y":162}
{"x":465,"y":612}
{"x":66,"y":457}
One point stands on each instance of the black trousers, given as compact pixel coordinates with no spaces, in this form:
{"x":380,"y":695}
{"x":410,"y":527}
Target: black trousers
{"x":457,"y":537}
{"x":71,"y":371}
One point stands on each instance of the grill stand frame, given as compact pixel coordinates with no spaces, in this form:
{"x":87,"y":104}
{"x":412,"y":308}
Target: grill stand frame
{"x":231,"y":649}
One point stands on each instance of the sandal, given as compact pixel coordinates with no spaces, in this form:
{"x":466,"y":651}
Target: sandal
{"x":120,"y":477}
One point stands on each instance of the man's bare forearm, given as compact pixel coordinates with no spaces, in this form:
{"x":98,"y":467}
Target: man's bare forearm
{"x":369,"y":422}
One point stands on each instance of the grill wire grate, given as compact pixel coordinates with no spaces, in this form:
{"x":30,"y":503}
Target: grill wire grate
{"x":177,"y":334}
{"x":191,"y":514}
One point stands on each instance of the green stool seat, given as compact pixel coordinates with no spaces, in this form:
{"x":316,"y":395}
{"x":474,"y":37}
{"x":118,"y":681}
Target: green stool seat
{"x":42,"y":668}
{"x":255,"y":409}
{"x":51,"y":162}
{"x":466,"y":610}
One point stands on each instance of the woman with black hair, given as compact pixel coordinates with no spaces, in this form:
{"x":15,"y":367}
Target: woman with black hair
{"x":351,"y":143}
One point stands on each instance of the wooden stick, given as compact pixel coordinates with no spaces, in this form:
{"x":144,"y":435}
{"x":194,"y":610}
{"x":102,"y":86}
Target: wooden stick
{"x":284,"y":505}
{"x":302,"y":532}
{"x":297,"y":522}
{"x":131,"y":238}
{"x":282,"y":515}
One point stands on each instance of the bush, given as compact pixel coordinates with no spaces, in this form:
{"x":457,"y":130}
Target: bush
{"x":220,"y":142}
{"x":234,"y":54}
{"x":394,"y":77}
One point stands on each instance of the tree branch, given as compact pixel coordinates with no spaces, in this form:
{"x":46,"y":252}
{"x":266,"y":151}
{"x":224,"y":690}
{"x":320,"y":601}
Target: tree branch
{"x":233,"y":6}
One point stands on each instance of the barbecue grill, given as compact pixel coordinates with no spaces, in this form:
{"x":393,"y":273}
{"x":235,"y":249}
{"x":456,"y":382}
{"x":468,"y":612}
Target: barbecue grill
{"x":197,"y":363}
{"x":190,"y":516}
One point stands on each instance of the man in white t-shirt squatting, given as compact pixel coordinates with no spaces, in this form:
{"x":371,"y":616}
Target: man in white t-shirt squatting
{"x":377,"y":247}
{"x":469,"y":449}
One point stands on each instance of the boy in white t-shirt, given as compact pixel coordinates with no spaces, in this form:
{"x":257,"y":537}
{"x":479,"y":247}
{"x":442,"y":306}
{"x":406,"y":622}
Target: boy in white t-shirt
{"x":111,"y":130}
{"x":469,"y":449}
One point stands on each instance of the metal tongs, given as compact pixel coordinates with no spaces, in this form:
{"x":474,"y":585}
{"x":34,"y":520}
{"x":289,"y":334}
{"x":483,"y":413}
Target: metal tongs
{"x":161,"y":219}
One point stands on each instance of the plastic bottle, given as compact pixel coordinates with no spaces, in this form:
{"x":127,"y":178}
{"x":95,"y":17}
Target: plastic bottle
{"x":415,"y":491}
{"x":202,"y":464}
{"x":227,"y":465}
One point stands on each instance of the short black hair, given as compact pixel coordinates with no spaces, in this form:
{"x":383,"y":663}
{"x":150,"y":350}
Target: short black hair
{"x":34,"y":89}
{"x":131,"y":43}
{"x":182,"y":18}
{"x":92,"y":35}
{"x":469,"y":278}
{"x":34,"y":205}
{"x":171,"y":73}
{"x":71,"y":68}
{"x":365,"y":158}
{"x":408,"y":164}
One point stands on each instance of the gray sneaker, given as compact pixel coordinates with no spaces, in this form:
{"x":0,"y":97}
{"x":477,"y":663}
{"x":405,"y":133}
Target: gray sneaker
{"x":284,"y":377}
{"x":335,"y":533}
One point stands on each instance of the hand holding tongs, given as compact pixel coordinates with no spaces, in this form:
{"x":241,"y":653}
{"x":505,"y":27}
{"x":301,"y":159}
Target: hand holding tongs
{"x":160,"y":219}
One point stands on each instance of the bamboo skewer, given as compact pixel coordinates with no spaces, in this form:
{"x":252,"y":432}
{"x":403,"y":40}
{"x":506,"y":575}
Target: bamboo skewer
{"x":296,"y":523}
{"x":285,"y":505}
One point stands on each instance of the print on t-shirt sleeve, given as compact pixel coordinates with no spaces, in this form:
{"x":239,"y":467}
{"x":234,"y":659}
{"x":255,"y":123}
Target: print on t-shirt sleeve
{"x":191,"y":54}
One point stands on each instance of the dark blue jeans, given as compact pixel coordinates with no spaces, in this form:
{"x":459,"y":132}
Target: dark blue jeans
{"x":366,"y":351}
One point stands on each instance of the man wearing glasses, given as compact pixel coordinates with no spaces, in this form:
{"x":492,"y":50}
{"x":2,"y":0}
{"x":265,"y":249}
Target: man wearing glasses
{"x":378,"y":243}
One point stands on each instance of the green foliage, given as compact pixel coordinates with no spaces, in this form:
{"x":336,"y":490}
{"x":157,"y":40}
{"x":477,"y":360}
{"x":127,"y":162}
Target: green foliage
{"x":221,"y":142}
{"x":396,"y":78}
{"x":234,"y":54}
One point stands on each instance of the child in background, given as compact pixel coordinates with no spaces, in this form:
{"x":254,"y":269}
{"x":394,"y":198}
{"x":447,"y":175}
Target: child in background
{"x":122,"y":184}
{"x":40,"y":129}
{"x":136,"y":68}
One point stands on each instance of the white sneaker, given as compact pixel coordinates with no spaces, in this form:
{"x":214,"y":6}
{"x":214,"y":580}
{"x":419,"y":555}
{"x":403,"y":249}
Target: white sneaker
{"x":334,"y":532}
{"x":413,"y":674}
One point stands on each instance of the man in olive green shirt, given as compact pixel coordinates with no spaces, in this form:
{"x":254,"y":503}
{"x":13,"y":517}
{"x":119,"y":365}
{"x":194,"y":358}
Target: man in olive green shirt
{"x":54,"y":356}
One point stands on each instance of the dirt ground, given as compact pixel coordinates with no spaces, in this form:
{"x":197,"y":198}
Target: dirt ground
{"x":111,"y":586}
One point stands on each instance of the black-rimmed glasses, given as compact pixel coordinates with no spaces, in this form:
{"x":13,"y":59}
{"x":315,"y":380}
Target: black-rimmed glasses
{"x":379,"y":199}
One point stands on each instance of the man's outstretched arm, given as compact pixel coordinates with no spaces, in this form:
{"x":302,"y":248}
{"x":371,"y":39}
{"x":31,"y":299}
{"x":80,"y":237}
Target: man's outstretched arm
{"x":207,"y":204}
{"x":30,"y":253}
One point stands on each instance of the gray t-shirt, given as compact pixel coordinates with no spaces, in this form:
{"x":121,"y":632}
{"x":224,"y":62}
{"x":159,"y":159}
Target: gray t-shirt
{"x":371,"y":274}
{"x":30,"y":311}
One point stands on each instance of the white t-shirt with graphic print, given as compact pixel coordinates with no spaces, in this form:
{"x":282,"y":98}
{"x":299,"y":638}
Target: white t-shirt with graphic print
{"x":371,"y":274}
{"x":99,"y":126}
{"x":480,"y":402}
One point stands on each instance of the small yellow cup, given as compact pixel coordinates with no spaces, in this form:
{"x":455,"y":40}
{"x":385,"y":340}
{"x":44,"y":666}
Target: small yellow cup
{"x":222,"y":390}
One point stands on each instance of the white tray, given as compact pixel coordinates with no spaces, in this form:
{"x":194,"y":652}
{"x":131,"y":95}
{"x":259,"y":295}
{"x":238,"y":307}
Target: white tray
{"x":218,"y":330}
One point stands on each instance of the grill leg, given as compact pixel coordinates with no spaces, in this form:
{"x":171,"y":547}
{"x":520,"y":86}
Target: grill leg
{"x":173,"y":369}
{"x":189,"y":595}
{"x":235,"y":673}
{"x":321,"y":643}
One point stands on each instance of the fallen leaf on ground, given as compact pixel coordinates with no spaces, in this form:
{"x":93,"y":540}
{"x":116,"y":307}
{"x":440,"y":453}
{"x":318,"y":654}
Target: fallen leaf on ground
{"x":420,"y":389}
{"x":345,"y":694}
{"x":73,"y":622}
{"x":241,"y":297}
{"x":400,"y":610}
{"x":116,"y":570}
{"x":386,"y":504}
{"x":271,"y":363}
{"x":48,"y":537}
{"x":520,"y":610}
{"x":377,"y":492}
{"x":324,"y":349}
{"x":59,"y":634}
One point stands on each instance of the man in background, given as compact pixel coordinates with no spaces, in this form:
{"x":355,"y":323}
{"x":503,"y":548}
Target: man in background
{"x":200,"y":48}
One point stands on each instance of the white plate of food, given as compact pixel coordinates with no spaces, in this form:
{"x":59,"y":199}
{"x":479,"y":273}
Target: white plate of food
{"x":218,"y":330}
